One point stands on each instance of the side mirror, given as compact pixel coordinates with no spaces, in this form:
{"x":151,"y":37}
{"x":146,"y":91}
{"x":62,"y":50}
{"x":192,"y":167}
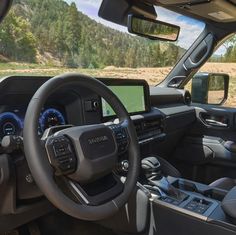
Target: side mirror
{"x":152,"y":29}
{"x":210,"y":88}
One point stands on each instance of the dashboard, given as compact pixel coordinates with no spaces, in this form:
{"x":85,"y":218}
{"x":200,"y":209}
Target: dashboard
{"x":157,"y":129}
{"x":70,"y":105}
{"x":76,"y":106}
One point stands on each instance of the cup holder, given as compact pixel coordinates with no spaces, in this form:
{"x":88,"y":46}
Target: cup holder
{"x":206,"y":191}
{"x":215,"y":193}
{"x":185,"y":185}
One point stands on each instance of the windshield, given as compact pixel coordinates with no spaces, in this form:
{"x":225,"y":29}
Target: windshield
{"x":50,"y":37}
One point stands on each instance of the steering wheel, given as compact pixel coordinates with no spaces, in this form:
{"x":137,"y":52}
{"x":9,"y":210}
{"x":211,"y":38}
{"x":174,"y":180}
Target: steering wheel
{"x":69,"y":164}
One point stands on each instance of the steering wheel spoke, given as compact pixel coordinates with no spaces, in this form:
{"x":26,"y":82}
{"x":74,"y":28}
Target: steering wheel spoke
{"x":78,"y":192}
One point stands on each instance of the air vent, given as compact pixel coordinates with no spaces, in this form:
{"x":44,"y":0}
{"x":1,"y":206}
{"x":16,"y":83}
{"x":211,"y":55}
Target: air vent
{"x":187,"y":98}
{"x":147,"y":125}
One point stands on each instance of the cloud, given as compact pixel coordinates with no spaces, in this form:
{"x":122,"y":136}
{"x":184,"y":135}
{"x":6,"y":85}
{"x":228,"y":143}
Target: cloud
{"x":87,"y":6}
{"x":190,"y":28}
{"x":220,"y":51}
{"x":90,"y":8}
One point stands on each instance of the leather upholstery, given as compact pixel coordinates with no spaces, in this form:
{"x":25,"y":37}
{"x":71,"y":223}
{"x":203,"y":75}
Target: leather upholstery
{"x":229,"y":203}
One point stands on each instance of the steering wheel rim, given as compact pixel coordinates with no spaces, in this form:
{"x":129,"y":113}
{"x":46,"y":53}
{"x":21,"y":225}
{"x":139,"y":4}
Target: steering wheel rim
{"x":38,"y":162}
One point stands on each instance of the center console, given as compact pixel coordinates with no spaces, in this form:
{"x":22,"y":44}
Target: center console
{"x":181,"y":206}
{"x":194,"y":203}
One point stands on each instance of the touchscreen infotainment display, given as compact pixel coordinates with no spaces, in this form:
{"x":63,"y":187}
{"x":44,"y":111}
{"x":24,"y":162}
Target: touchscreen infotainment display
{"x":132,"y":97}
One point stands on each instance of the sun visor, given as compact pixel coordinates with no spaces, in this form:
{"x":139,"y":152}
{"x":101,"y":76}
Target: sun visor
{"x":118,"y":11}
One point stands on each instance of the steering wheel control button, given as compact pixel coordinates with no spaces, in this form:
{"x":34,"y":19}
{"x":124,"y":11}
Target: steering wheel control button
{"x":121,"y":137}
{"x":125,"y":165}
{"x":61,"y":155}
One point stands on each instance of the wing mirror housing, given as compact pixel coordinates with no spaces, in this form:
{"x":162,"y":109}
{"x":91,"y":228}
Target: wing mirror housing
{"x":152,"y":29}
{"x":210,"y":88}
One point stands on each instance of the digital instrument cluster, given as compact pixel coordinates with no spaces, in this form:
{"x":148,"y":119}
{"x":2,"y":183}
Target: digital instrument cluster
{"x":12,"y":122}
{"x":51,"y":117}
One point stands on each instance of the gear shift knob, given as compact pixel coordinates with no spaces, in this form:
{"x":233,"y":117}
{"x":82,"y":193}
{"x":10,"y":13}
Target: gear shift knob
{"x":151,"y":167}
{"x":152,"y":170}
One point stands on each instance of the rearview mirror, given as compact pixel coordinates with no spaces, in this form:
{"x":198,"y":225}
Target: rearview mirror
{"x":210,"y":88}
{"x":152,"y":29}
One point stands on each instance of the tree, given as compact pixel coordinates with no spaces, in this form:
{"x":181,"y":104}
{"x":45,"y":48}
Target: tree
{"x":16,"y":40}
{"x":55,"y":29}
{"x":230,"y":45}
{"x":72,"y":30}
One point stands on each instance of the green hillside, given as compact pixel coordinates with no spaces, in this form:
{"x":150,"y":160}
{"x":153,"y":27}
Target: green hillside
{"x":52,"y":32}
{"x":230,"y":52}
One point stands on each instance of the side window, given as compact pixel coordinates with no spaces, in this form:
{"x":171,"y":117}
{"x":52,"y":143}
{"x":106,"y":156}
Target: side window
{"x":215,"y":83}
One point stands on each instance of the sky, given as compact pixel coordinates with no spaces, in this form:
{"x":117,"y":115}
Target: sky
{"x":190,"y":28}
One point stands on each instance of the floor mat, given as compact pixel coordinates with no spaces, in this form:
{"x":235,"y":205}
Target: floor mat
{"x":61,"y":224}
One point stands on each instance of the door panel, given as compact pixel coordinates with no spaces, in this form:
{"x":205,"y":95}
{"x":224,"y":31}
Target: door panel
{"x":208,"y":151}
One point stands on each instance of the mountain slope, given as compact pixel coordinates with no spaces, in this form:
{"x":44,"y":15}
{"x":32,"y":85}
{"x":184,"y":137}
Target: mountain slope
{"x":55,"y":32}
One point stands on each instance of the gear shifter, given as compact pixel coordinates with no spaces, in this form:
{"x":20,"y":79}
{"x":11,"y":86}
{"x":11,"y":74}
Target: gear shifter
{"x":152,"y":170}
{"x":151,"y":167}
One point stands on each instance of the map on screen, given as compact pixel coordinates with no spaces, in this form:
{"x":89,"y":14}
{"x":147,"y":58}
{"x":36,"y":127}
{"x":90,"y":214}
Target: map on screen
{"x":132,"y":97}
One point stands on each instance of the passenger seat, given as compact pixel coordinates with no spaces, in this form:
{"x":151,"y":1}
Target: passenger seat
{"x":224,"y":183}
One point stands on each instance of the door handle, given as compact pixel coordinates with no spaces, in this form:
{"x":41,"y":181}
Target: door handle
{"x":215,"y":123}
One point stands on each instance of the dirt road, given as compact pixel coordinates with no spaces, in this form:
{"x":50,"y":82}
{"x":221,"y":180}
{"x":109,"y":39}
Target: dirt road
{"x":152,"y":75}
